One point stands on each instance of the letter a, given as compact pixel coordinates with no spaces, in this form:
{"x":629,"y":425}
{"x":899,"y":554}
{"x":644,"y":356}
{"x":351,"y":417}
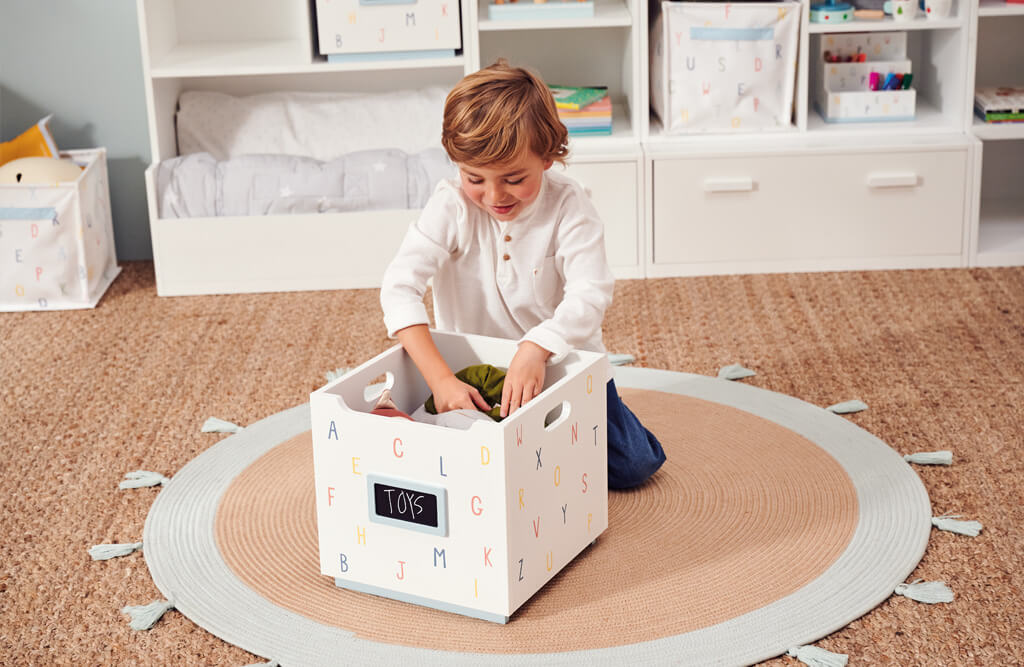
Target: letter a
{"x":333,"y":429}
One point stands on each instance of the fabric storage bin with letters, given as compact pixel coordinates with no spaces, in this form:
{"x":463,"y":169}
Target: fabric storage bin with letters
{"x":57,"y":241}
{"x":718,"y":66}
{"x":358,"y":29}
{"x":470,"y":521}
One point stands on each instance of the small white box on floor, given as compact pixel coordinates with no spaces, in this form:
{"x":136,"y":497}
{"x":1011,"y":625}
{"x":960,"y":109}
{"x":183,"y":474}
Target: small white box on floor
{"x":57,"y":241}
{"x":471,"y":521}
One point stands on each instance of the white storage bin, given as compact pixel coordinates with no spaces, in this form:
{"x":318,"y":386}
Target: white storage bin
{"x":57,"y":241}
{"x":842,"y":90}
{"x":348,"y":27}
{"x":493,"y":512}
{"x":724,"y":66}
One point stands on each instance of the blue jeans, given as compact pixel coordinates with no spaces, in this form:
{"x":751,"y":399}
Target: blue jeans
{"x":633,"y":451}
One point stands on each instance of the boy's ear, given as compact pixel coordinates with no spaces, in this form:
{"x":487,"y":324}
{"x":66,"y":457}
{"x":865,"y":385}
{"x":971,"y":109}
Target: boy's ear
{"x":547,"y":164}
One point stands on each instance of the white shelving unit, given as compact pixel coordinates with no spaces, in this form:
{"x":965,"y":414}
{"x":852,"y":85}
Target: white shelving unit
{"x":998,"y":217}
{"x":819,"y":195}
{"x":810,"y":196}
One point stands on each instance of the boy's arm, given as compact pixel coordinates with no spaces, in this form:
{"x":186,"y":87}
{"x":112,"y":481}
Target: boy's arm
{"x":589,"y":283}
{"x":450,"y":393}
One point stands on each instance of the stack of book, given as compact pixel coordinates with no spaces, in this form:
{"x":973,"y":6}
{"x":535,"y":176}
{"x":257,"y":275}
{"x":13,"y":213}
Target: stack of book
{"x":584,"y":111}
{"x":1002,"y":104}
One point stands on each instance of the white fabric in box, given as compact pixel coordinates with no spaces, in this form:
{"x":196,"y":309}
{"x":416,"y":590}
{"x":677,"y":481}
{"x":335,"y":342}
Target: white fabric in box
{"x":515,"y":500}
{"x":57,"y":241}
{"x":724,"y":66}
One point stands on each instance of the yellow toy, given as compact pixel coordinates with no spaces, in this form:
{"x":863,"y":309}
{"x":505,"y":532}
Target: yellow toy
{"x":39,"y":171}
{"x":36,"y":141}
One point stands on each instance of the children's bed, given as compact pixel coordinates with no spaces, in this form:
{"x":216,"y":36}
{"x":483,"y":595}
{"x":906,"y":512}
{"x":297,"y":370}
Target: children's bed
{"x":291,"y":191}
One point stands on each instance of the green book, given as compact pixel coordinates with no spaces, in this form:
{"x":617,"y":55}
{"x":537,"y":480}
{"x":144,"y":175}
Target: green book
{"x":575,"y":98}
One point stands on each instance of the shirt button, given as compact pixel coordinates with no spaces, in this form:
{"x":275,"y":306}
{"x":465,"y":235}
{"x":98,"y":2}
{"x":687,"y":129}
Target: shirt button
{"x":506,"y":257}
{"x":507,"y":238}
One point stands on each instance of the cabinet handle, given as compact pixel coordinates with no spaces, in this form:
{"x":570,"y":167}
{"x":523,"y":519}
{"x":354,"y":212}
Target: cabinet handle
{"x":905,"y":180}
{"x":744,"y":184}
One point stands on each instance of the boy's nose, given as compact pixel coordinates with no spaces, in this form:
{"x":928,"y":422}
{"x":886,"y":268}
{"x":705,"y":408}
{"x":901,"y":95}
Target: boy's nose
{"x":495,"y":193}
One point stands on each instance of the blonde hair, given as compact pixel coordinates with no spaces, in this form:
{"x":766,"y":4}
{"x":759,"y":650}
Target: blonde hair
{"x":498,"y":114}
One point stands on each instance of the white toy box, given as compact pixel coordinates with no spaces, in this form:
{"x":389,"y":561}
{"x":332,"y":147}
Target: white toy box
{"x":356,"y":29}
{"x":724,"y":66}
{"x":57,"y":241}
{"x":470,"y":521}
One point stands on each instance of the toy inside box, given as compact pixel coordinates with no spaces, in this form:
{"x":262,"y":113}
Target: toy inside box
{"x":57,"y":240}
{"x":470,"y":521}
{"x":863,"y":77}
{"x":723,"y":66}
{"x":386,"y":29}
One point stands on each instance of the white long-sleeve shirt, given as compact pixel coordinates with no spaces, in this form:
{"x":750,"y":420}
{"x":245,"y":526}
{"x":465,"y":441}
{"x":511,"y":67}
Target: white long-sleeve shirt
{"x":541,"y":277}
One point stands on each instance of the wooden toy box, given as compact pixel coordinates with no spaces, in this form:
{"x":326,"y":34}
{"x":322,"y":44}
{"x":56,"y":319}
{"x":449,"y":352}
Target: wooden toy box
{"x":57,"y":240}
{"x":471,"y":521}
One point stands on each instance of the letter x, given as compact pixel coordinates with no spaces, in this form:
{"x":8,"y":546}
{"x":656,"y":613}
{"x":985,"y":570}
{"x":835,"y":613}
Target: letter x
{"x":539,"y":464}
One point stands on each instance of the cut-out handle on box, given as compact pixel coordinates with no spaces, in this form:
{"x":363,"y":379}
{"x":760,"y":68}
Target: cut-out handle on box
{"x":373,"y":390}
{"x":895,"y":180}
{"x":557,"y":415}
{"x":741,"y":184}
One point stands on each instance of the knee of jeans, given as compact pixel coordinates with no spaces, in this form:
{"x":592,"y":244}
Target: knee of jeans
{"x":635,"y":471}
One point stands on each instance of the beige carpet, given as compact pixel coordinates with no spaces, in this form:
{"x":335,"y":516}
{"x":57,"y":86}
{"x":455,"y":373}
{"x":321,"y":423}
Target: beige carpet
{"x":89,"y":395}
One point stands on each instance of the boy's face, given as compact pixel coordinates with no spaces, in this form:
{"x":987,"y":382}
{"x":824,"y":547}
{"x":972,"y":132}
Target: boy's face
{"x":504,"y":190}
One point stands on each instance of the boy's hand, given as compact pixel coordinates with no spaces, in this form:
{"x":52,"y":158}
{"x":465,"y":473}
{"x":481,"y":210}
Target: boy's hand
{"x":451,"y":393}
{"x":525,"y":377}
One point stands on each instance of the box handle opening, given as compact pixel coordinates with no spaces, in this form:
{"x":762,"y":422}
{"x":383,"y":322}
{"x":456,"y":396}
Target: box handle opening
{"x":557,"y":415}
{"x":376,"y":386}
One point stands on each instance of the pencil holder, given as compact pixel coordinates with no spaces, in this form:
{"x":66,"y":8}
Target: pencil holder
{"x":843,"y":92}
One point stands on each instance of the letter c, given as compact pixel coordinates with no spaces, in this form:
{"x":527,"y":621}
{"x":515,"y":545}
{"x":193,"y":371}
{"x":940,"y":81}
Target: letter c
{"x":396,"y":447}
{"x":473,"y":504}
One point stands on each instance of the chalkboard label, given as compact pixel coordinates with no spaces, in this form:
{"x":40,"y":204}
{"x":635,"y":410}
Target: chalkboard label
{"x":403,"y":504}
{"x":408,"y":504}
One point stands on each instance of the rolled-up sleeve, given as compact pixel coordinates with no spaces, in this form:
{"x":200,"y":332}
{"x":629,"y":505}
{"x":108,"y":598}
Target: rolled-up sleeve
{"x":429,"y":241}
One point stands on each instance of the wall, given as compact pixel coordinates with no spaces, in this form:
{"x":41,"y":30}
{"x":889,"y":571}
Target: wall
{"x":80,"y":61}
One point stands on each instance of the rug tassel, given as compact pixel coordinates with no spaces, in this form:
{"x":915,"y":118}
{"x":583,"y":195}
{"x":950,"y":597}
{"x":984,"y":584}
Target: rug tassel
{"x":929,"y":592}
{"x":734,"y":372}
{"x":620,"y":359}
{"x":108,"y":551}
{"x":214,"y":425}
{"x":951,"y":523}
{"x":940,"y":458}
{"x":144,"y":617}
{"x":818,"y":657}
{"x":336,"y":373}
{"x":140,"y":478}
{"x":847,"y":407}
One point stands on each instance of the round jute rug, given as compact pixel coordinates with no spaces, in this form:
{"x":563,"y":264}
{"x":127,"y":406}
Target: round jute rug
{"x":772,"y":524}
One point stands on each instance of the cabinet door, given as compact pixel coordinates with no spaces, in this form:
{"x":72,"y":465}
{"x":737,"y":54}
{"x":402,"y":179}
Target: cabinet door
{"x":799,"y":207}
{"x":613,"y":189}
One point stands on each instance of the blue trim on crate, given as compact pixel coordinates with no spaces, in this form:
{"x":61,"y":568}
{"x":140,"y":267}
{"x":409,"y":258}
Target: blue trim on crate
{"x":389,"y":55}
{"x":732,"y":34}
{"x":19,"y":213}
{"x":545,"y":11}
{"x":422,"y":601}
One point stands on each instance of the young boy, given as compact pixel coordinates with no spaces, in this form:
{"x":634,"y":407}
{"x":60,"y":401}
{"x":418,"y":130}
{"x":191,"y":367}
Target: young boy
{"x":515,"y":251}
